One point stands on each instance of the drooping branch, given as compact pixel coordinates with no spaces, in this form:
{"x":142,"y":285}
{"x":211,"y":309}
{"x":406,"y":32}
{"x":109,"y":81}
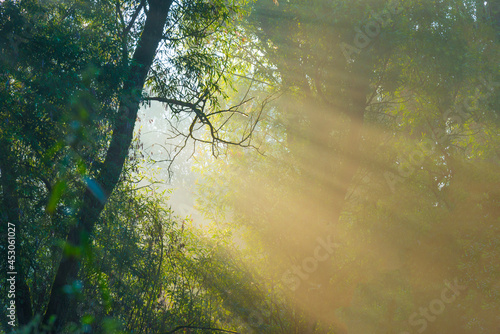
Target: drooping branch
{"x":202,"y":119}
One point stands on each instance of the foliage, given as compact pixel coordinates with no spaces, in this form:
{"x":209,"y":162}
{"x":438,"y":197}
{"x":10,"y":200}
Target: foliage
{"x":403,"y":222}
{"x":368,"y":129}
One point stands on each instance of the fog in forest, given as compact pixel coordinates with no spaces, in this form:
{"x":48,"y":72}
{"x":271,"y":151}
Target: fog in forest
{"x":279,"y":167}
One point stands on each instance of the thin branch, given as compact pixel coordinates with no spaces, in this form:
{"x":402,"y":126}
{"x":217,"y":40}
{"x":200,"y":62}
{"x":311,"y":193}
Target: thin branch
{"x":119,"y":13}
{"x":172,"y":101}
{"x":252,"y":79}
{"x":133,"y":18}
{"x":232,"y":109}
{"x":201,"y":32}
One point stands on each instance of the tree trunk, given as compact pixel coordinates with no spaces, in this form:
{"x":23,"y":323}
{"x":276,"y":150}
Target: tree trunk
{"x":359,"y":88}
{"x":61,"y":304}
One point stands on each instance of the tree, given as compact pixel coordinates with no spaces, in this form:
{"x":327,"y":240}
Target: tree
{"x":95,"y":58}
{"x":370,"y":86}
